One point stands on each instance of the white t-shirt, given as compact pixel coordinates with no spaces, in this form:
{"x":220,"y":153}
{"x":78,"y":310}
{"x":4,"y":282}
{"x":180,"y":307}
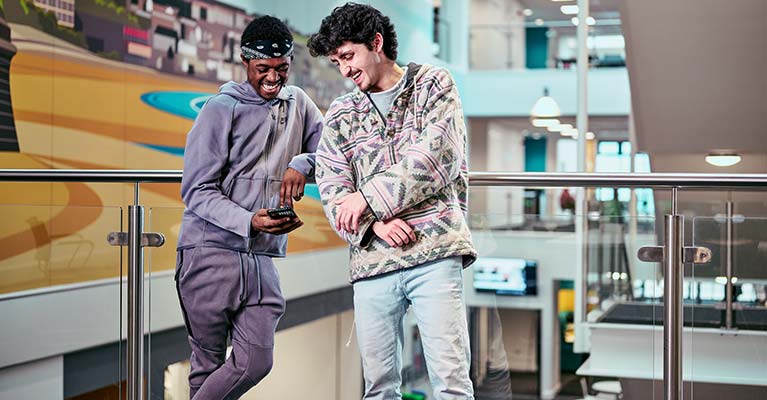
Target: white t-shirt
{"x":384,"y":100}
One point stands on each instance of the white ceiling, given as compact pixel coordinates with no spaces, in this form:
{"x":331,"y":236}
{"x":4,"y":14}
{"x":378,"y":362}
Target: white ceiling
{"x":698,"y":74}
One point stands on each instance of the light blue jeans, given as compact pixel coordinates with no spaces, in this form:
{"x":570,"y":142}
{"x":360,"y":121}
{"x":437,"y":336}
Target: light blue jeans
{"x":435,"y":290}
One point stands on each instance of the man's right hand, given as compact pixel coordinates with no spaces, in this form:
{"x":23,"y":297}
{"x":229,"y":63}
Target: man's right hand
{"x":395,"y":232}
{"x":261,"y":222}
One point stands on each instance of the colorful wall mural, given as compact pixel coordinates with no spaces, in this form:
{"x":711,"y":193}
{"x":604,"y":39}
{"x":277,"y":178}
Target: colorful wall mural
{"x":115,"y":84}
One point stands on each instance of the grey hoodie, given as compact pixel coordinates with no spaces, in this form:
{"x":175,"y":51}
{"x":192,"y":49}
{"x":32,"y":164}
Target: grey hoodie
{"x":236,"y":154}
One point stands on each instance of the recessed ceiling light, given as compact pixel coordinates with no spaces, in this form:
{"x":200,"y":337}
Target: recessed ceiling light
{"x":572,"y":132}
{"x":527,"y":12}
{"x":569,"y":9}
{"x":589,"y":21}
{"x":539,"y":21}
{"x":723,"y":159}
{"x":560,"y":128}
{"x":545,"y":122}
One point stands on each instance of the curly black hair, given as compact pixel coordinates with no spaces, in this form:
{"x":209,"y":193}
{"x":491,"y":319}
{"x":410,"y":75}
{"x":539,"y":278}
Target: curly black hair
{"x":356,"y":23}
{"x":265,"y":28}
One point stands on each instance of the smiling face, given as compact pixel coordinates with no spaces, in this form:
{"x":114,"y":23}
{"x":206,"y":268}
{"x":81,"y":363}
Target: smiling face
{"x":363,"y":66}
{"x":268,"y":76}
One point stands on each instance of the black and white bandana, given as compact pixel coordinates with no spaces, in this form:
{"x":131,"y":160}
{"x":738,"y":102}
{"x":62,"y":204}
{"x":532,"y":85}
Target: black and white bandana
{"x":262,"y":49}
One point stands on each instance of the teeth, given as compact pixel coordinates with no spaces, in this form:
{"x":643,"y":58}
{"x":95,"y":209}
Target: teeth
{"x":269,"y":87}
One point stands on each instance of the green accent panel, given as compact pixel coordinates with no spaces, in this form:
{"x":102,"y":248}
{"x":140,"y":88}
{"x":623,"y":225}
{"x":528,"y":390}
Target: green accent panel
{"x":535,"y":155}
{"x":537,"y":45}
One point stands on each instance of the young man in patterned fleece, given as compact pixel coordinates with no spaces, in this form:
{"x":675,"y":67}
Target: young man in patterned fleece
{"x":391,"y":169}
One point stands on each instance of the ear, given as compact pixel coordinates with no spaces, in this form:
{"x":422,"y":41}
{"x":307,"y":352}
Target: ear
{"x":378,"y":42}
{"x":244,"y":60}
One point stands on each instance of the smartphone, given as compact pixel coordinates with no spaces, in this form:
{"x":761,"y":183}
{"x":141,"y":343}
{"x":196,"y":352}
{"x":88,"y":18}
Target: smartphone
{"x":281,"y":212}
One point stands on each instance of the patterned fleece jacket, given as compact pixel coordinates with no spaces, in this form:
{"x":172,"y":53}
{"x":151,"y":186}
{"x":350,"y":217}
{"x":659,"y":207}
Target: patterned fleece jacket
{"x":409,"y":164}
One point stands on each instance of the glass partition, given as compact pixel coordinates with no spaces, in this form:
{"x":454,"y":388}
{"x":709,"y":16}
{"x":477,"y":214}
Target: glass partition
{"x":47,"y":246}
{"x":622,"y":295}
{"x":726,"y":346}
{"x":58,"y":272}
{"x":166,"y":339}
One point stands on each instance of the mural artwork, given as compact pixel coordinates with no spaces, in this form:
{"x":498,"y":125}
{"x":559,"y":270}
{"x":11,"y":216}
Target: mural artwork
{"x":115,"y":84}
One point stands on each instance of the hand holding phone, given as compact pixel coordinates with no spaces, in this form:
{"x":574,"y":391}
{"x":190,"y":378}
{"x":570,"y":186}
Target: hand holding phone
{"x":275,"y":221}
{"x":281,"y":212}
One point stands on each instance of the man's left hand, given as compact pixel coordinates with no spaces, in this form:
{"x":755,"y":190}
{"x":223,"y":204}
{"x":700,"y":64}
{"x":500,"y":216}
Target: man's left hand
{"x":349,"y":211}
{"x":292,"y":188}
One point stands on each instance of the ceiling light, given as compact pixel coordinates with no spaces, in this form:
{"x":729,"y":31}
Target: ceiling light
{"x":527,"y":12}
{"x":560,"y":128}
{"x":545,"y":107}
{"x":572,"y":132}
{"x":539,"y":21}
{"x":723,"y":159}
{"x":545,"y":122}
{"x":569,"y":9}
{"x":589,"y":21}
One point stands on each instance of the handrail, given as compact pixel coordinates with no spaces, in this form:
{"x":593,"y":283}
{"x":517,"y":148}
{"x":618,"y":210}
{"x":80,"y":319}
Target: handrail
{"x":635,"y":180}
{"x":530,"y":179}
{"x":90,"y":175}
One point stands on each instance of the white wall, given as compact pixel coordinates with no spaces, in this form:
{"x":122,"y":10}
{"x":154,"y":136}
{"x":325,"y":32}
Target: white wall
{"x":42,"y":379}
{"x":505,"y":152}
{"x":311,"y":361}
{"x":497,"y":38}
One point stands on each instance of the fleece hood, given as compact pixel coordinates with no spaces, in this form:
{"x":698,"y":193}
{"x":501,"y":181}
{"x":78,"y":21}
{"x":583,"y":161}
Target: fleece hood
{"x":245,"y":92}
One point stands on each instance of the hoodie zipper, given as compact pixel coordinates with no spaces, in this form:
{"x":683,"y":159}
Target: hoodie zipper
{"x":268,"y":150}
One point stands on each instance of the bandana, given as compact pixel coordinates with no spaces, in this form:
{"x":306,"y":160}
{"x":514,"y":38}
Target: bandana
{"x":262,"y":49}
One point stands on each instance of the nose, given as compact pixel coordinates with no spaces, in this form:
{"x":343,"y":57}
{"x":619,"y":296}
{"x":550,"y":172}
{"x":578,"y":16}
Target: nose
{"x":348,"y":72}
{"x":345,"y":70}
{"x":272,"y":75}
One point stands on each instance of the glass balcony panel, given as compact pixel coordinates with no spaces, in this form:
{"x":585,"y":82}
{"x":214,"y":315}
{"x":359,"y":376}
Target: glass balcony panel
{"x":48,"y":246}
{"x":57,"y":269}
{"x":727,"y":350}
{"x":624,"y":305}
{"x":622,"y":294}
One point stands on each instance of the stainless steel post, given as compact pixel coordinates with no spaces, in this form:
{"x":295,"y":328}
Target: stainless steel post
{"x":581,"y":208}
{"x":728,"y":272}
{"x":672,"y":300}
{"x":135,"y":338}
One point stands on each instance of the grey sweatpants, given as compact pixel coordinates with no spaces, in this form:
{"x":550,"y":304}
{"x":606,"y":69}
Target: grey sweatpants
{"x":227,"y":293}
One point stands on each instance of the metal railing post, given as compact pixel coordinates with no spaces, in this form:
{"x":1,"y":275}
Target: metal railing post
{"x":728,"y":271}
{"x":135,"y":300}
{"x":672,"y":300}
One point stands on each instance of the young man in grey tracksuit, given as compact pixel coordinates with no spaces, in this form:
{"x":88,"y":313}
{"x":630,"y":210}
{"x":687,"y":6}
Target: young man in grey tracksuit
{"x":251,"y":148}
